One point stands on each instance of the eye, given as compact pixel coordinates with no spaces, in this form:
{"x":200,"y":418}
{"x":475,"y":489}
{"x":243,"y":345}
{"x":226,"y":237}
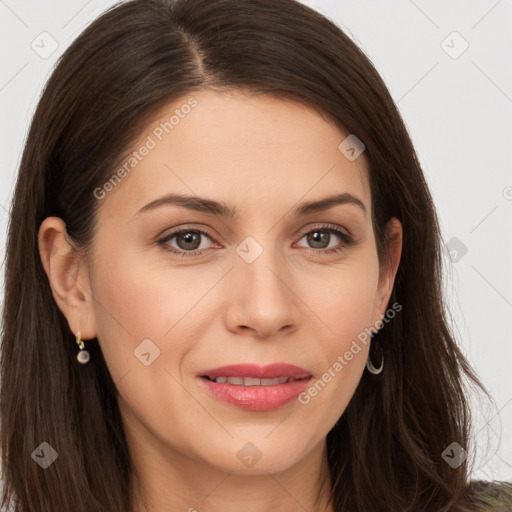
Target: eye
{"x":188,"y":242}
{"x":321,"y":236}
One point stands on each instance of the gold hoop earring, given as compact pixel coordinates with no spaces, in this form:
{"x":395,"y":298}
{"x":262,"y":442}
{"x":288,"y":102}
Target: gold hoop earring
{"x":83,"y":356}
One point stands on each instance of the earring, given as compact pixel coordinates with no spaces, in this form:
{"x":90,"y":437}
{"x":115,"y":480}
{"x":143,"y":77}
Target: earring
{"x":83,"y":356}
{"x":371,"y":368}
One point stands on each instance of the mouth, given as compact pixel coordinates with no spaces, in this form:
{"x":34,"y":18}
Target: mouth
{"x":248,"y":371}
{"x":252,"y":381}
{"x":254,"y":387}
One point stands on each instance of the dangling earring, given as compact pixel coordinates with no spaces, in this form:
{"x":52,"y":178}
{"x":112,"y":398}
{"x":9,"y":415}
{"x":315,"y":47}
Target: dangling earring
{"x":83,"y":356}
{"x":371,"y":368}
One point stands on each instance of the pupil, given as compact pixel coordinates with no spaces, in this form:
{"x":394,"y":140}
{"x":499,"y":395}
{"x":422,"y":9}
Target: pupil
{"x":316,"y":236}
{"x":190,"y":238}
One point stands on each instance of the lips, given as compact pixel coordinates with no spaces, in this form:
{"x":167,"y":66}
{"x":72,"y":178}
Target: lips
{"x":271,"y":371}
{"x":257,"y":388}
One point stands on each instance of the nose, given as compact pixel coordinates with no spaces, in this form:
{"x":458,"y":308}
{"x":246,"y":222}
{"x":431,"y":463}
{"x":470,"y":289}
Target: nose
{"x":262,"y":298}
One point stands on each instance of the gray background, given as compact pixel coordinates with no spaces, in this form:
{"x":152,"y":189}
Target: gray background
{"x":458,"y":109}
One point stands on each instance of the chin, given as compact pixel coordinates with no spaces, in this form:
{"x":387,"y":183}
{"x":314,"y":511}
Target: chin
{"x":258,"y":457}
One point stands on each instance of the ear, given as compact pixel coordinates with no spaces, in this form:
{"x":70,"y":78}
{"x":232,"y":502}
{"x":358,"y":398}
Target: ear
{"x":68,"y":277}
{"x":388,"y":269}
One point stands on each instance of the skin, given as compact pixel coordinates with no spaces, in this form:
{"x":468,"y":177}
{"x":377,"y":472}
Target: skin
{"x":263,"y":156}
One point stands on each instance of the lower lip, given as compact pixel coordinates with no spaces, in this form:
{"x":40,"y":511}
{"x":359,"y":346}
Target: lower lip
{"x":256,"y":398}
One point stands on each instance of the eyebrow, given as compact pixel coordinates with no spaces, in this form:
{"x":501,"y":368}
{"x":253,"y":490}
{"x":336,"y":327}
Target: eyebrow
{"x":219,"y":208}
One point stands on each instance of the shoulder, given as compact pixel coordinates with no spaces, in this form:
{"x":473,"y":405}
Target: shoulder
{"x":496,"y":496}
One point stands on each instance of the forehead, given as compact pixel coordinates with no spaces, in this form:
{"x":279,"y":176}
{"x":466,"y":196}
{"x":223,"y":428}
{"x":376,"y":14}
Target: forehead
{"x":259,"y":151}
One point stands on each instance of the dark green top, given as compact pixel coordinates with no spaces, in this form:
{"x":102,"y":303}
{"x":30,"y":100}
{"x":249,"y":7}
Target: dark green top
{"x":497,"y":496}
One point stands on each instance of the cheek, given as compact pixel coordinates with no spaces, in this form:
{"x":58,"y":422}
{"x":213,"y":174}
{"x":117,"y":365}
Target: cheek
{"x":345,"y":304}
{"x":136,"y":302}
{"x":344,"y":354}
{"x":143,"y":310}
{"x":343,"y":297}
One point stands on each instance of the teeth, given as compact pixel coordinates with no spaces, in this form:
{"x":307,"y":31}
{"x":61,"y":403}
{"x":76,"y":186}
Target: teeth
{"x":251,"y":381}
{"x":235,"y":380}
{"x":275,"y":382}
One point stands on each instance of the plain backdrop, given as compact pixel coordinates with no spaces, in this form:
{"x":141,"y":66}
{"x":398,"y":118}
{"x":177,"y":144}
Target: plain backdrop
{"x":448,"y":68}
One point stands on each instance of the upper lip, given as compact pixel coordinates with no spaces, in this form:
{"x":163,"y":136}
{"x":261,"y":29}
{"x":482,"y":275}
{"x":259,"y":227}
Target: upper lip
{"x":270,"y":371}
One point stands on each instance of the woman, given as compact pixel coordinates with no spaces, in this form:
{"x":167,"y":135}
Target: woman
{"x":177,"y":335}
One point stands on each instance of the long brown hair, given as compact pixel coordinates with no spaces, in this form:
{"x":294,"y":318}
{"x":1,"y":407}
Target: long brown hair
{"x":385,"y":452}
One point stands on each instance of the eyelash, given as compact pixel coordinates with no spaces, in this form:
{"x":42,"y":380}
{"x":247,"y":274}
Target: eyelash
{"x":347,"y":241}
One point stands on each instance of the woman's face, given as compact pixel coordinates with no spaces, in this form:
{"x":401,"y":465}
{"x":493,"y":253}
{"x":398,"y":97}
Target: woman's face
{"x":258,"y":276}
